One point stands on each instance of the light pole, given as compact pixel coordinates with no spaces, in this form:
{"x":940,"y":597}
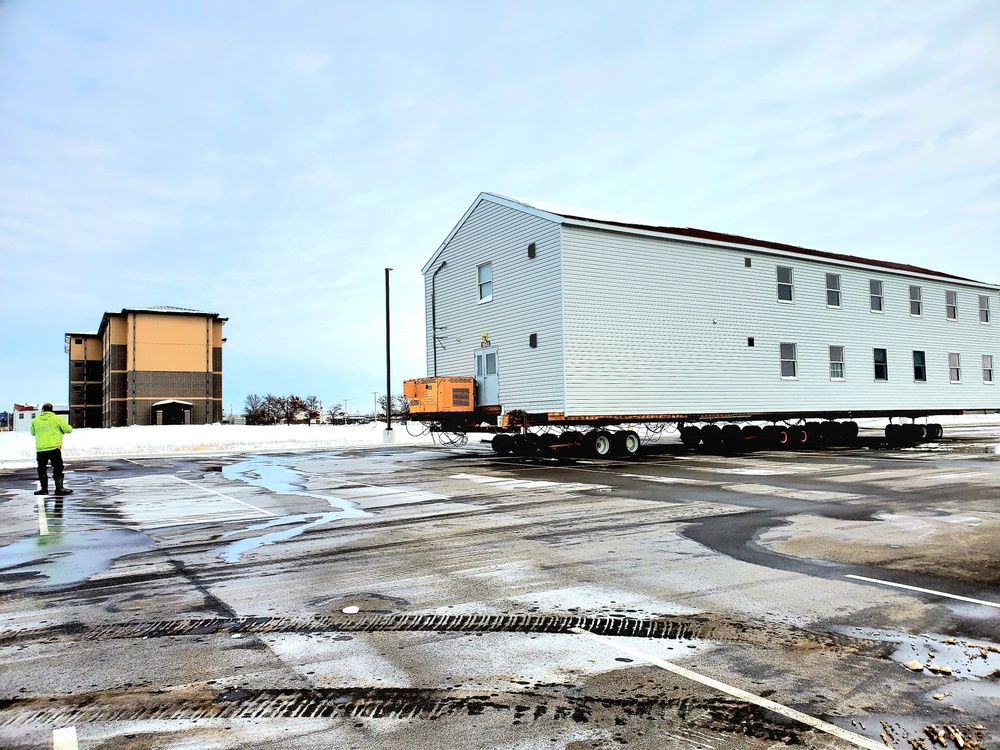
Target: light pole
{"x":345,"y":411}
{"x":375,"y":401}
{"x":387,"y":436}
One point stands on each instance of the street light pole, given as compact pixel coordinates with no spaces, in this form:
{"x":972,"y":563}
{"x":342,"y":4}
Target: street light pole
{"x":345,"y":411}
{"x":375,"y":403}
{"x":388,"y":376}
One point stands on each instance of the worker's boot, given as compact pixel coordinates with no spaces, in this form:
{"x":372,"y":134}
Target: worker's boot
{"x":61,"y":490}
{"x":44,"y":489}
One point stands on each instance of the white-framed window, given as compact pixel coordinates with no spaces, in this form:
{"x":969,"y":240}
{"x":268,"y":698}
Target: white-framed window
{"x":955,"y":367}
{"x":833,"y":290}
{"x":988,"y":368}
{"x":919,"y":367}
{"x":880,"y":358}
{"x":788,"y":362}
{"x":836,"y":363}
{"x":951,"y":305}
{"x":915,"y":307}
{"x":984,"y":308}
{"x":484,"y":273}
{"x":785,"y":293}
{"x":875,"y":295}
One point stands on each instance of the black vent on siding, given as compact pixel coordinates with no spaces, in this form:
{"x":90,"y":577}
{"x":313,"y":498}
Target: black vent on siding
{"x":531,"y":250}
{"x":749,"y":340}
{"x":533,"y":340}
{"x":747,"y":262}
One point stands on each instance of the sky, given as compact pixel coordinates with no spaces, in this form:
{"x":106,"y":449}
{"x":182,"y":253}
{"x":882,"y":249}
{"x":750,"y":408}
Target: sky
{"x":268,"y":160}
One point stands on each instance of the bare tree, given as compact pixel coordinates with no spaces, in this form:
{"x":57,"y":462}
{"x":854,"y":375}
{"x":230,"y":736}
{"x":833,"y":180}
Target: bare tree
{"x":312,"y":409}
{"x":291,"y":406}
{"x":400,"y":407}
{"x":335,"y":413}
{"x":273,"y":409}
{"x":254,"y":409}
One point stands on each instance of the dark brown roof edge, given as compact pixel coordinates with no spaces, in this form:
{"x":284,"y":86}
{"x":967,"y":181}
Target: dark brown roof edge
{"x":705,"y":234}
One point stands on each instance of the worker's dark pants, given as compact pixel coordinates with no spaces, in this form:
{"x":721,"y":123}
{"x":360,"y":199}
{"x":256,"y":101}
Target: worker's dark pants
{"x":44,"y":458}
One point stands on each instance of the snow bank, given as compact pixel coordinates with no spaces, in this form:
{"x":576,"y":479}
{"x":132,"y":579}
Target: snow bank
{"x":17,"y":449}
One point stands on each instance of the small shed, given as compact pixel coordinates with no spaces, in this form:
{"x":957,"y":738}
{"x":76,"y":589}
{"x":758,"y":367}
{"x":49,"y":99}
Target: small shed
{"x":171,"y":411}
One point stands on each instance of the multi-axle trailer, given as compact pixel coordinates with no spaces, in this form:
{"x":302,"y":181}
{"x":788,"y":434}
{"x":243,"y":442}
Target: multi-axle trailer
{"x":564,"y":327}
{"x":444,"y":404}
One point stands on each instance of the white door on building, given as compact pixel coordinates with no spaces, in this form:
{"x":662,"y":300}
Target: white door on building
{"x":487,"y":380}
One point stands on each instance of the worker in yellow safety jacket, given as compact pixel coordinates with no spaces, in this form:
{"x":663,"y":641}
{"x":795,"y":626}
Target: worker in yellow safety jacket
{"x":48,"y":429}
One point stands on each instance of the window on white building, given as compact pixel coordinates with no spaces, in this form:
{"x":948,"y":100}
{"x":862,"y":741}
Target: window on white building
{"x":984,"y":308}
{"x":836,"y":363}
{"x":920,"y":367}
{"x":875,"y":294}
{"x":784,"y":284}
{"x":833,"y":290}
{"x":485,"y":275}
{"x":955,"y":367}
{"x":987,"y":368}
{"x":881,"y":361}
{"x":788,"y":360}
{"x":951,"y":305}
{"x":915,"y":307}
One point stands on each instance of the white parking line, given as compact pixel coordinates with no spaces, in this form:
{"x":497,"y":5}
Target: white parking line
{"x":926,"y":591}
{"x":855,"y":739}
{"x":43,"y":521}
{"x":235,"y":500}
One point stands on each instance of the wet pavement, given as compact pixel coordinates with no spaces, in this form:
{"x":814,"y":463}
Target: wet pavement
{"x":428,"y":597}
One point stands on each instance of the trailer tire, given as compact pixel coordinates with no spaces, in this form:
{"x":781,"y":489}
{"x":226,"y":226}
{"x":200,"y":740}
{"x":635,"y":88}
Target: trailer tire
{"x":502,"y":443}
{"x":849,"y":431}
{"x":601,"y":444}
{"x":626,"y":442}
{"x":936,"y":431}
{"x":753,"y":436}
{"x":523,"y":445}
{"x":545,"y":443}
{"x":775,"y":436}
{"x":690,"y":436}
{"x":893,"y":433}
{"x":711,"y":435}
{"x":814,"y":432}
{"x":798,"y":437}
{"x":732,"y":435}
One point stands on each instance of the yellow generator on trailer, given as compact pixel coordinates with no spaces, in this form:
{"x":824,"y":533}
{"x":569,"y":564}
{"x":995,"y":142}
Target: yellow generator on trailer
{"x":440,"y":395}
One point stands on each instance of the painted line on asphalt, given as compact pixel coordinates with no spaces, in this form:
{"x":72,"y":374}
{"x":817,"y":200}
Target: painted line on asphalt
{"x":64,"y":739}
{"x":220,"y":494}
{"x":790,"y":713}
{"x":925,"y":591}
{"x":43,"y":521}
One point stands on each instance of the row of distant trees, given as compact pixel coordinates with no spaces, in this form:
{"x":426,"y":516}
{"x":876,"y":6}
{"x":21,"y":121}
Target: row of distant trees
{"x":271,"y":409}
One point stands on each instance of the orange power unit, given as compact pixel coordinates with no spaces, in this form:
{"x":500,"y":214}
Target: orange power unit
{"x":437,"y":395}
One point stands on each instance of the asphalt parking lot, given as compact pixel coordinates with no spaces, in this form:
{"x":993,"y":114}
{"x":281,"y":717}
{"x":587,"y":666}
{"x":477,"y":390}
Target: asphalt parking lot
{"x":405,"y":597}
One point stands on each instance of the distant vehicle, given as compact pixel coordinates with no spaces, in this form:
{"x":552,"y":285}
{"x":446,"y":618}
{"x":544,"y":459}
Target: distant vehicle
{"x":561,"y":327}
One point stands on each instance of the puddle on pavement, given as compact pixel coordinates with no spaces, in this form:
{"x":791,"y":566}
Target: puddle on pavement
{"x":66,"y":559}
{"x":271,"y":474}
{"x":967,"y":659}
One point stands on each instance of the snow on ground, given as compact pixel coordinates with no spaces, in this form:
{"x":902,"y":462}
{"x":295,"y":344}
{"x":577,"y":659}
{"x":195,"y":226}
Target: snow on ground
{"x":17,"y":449}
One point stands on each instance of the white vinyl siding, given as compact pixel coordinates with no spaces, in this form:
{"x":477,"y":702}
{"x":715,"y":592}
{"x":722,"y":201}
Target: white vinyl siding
{"x":526,"y":299}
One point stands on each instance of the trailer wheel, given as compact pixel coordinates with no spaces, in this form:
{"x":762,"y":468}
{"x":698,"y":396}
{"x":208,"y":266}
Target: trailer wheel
{"x":711,"y":435}
{"x":690,"y":436}
{"x":849,"y":431}
{"x":626,"y":442}
{"x":814,"y":433}
{"x":601,"y":444}
{"x":523,"y":445}
{"x":545,"y":443}
{"x":732,"y":435}
{"x":936,"y":431}
{"x":798,"y":437}
{"x":775,"y":436}
{"x":502,"y":443}
{"x":894,"y":433}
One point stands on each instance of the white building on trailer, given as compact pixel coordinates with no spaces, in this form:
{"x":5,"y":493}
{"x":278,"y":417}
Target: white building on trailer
{"x":580,"y":314}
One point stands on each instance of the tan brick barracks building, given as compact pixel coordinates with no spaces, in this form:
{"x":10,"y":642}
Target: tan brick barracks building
{"x":147,"y":365}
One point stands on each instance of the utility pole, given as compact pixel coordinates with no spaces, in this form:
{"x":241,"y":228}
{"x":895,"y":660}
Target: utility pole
{"x":387,"y":436}
{"x":345,"y":411}
{"x":375,"y":403}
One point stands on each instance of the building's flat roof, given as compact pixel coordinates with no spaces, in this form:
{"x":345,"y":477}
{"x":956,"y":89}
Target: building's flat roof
{"x":162,"y":310}
{"x":629,"y":223}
